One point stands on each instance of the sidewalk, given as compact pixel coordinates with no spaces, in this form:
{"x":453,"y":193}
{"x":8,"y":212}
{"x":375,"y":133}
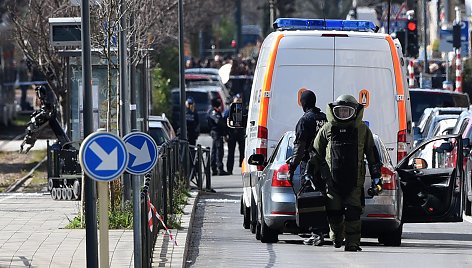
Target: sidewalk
{"x":32,"y":234}
{"x":14,"y":145}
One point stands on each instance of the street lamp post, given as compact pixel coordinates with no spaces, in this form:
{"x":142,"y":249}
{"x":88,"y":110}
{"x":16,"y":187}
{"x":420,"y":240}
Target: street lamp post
{"x":272,"y":11}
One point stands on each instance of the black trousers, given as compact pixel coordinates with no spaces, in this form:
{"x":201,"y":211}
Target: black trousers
{"x":217,"y":152}
{"x":231,"y":148}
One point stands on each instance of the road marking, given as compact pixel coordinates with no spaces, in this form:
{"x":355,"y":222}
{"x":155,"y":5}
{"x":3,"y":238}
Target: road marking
{"x":221,"y":200}
{"x":468,"y":218}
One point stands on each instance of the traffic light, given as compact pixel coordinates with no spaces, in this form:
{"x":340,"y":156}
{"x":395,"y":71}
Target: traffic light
{"x":412,"y":49}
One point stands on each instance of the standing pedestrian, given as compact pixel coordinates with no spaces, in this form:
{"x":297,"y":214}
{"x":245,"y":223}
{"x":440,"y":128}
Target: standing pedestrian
{"x":305,"y":132}
{"x":217,"y":126}
{"x":235,"y":135}
{"x":193,"y":123}
{"x":342,"y":144}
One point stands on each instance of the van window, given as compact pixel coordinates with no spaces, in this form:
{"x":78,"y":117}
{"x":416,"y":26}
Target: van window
{"x":420,"y":100}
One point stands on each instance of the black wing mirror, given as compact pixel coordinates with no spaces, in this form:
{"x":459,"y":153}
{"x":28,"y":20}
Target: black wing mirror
{"x":256,"y":160}
{"x":237,"y":116}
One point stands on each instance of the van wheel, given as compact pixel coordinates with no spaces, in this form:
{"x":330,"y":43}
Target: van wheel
{"x":258,"y":230}
{"x":268,"y":235}
{"x":392,"y":239}
{"x":245,"y":212}
{"x":468,"y":207}
{"x":253,"y":213}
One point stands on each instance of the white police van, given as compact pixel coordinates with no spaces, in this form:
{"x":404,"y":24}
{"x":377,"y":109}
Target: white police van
{"x":331,"y":58}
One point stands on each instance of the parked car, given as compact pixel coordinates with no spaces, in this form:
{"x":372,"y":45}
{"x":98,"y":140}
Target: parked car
{"x":201,"y":97}
{"x":428,"y":98}
{"x":413,"y":191}
{"x":167,"y":126}
{"x":158,"y":132}
{"x":275,"y":199}
{"x":429,"y":119}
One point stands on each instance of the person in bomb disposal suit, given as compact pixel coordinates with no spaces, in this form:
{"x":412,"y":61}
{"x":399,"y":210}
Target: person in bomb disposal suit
{"x":305,"y":132}
{"x":342,"y":144}
{"x":217,"y":125}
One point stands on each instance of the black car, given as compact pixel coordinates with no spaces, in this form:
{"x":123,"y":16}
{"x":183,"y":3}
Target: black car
{"x":429,"y":98}
{"x":201,"y":97}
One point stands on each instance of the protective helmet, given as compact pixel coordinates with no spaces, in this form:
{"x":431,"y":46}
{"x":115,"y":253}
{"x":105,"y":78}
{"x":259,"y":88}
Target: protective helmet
{"x":345,"y":108}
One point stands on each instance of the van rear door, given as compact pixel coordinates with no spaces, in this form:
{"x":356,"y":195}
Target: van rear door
{"x":303,"y":61}
{"x":365,"y":64}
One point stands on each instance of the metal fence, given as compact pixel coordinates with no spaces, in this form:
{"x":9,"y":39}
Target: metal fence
{"x":179,"y":165}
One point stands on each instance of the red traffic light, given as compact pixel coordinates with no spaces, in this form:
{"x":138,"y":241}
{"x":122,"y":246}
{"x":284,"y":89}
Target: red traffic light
{"x":411,"y":26}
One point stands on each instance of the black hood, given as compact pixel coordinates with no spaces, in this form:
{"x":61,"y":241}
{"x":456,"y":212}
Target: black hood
{"x":308,"y":100}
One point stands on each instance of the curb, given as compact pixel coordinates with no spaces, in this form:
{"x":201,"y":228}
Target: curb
{"x":165,"y":253}
{"x":191,"y":206}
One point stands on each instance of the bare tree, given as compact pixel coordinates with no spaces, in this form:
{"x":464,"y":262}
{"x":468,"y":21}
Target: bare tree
{"x":31,"y":32}
{"x":328,"y":9}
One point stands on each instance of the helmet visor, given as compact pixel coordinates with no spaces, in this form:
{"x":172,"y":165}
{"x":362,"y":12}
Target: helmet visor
{"x":343,"y":112}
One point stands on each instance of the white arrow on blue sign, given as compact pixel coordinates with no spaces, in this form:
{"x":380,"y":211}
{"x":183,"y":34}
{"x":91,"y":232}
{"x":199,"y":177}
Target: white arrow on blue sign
{"x":142,"y":151}
{"x":103,"y":156}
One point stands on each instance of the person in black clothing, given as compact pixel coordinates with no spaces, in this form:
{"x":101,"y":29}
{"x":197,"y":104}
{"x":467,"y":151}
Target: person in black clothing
{"x":235,"y":135}
{"x":305,"y":132}
{"x":193,"y":124}
{"x":217,"y":126}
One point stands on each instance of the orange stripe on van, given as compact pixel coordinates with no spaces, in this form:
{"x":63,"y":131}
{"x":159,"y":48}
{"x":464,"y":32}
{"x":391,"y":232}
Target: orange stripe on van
{"x":399,"y":84}
{"x":266,"y":86}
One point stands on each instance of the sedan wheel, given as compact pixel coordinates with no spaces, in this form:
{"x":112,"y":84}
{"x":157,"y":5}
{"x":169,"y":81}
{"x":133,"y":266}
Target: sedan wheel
{"x":268,"y":235}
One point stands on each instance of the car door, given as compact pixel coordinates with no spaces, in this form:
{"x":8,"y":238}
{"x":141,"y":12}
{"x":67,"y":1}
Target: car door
{"x":432,"y":192}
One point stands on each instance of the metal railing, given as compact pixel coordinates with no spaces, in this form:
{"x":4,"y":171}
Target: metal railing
{"x":178,"y":165}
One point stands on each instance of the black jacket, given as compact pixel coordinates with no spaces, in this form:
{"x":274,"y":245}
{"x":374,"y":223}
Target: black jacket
{"x":305,"y":132}
{"x":216,"y":122}
{"x":193,"y":124}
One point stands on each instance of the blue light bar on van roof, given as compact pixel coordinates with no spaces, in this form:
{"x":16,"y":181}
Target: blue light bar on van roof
{"x":321,"y":24}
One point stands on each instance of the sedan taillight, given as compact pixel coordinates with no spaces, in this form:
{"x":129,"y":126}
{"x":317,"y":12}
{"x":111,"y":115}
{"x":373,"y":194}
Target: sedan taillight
{"x":388,"y":179}
{"x":281,"y":177}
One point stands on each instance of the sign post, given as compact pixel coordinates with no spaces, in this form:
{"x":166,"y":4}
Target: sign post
{"x":143,"y":153}
{"x":103,"y":157}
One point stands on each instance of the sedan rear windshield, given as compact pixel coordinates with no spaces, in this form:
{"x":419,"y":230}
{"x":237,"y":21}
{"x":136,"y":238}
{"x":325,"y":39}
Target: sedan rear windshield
{"x":420,"y":100}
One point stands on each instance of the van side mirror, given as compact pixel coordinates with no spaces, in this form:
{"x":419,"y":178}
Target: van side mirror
{"x":256,"y":160}
{"x":237,"y":116}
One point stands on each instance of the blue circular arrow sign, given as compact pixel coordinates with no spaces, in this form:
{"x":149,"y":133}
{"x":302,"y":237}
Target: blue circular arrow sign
{"x":142,"y":151}
{"x":103,"y":156}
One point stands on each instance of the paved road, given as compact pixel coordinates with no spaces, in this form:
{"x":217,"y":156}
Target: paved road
{"x":219,"y":240}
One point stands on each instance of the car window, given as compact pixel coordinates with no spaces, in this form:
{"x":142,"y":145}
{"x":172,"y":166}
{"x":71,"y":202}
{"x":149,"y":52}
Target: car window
{"x":275,"y":152}
{"x":159,"y":135}
{"x":464,"y":125}
{"x":289,"y":151}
